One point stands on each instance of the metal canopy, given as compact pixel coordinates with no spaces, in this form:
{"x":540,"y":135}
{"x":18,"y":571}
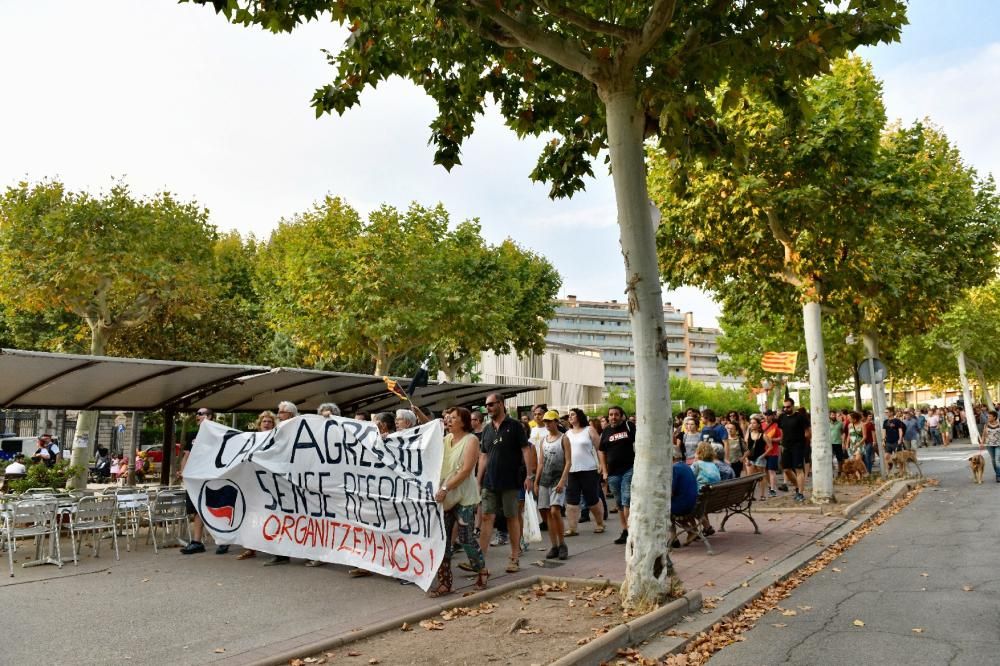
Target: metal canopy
{"x":68,"y":381}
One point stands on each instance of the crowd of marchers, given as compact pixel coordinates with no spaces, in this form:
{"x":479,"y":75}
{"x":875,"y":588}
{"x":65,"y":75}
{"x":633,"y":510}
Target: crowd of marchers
{"x":568,"y":464}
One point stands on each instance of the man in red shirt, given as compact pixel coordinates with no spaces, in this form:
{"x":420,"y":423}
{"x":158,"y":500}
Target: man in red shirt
{"x":870,"y":448}
{"x":772,"y":453}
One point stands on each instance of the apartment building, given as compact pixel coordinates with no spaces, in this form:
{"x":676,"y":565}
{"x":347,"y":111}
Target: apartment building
{"x":604,"y":325}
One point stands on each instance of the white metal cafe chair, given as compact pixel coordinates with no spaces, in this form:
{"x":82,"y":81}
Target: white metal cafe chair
{"x":169,"y":511}
{"x":133,"y":508}
{"x":30,"y":518}
{"x":96,"y":515}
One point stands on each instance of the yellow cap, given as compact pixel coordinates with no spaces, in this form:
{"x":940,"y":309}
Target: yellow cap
{"x":551,"y":415}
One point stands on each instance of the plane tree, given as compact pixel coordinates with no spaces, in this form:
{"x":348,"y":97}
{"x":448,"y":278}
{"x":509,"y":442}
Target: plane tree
{"x":591,"y":76}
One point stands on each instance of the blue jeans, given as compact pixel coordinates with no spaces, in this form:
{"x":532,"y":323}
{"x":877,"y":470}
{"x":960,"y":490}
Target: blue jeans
{"x":936,"y":436}
{"x":621,"y":486}
{"x":994,"y":453}
{"x":867,"y":455}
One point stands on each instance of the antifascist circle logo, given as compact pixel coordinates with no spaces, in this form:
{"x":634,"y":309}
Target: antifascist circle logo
{"x":221,"y":505}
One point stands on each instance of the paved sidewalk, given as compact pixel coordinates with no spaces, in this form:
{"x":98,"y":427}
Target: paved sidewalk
{"x":174,"y":609}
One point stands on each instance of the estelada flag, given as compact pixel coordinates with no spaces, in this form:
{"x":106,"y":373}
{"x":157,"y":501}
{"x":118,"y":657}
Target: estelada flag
{"x":780,"y":363}
{"x":395,"y":388}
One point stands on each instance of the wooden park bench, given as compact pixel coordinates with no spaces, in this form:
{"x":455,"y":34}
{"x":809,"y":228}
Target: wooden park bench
{"x":734,"y":496}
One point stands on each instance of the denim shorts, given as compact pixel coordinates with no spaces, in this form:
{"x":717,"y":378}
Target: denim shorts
{"x":621,"y":487}
{"x":772,"y":463}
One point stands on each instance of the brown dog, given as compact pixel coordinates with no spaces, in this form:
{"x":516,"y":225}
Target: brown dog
{"x":977,"y":465}
{"x":853,"y":468}
{"x":902,"y":460}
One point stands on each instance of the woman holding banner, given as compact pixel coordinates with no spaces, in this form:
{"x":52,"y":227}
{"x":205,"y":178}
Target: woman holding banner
{"x":458,"y":495}
{"x":265,"y":422}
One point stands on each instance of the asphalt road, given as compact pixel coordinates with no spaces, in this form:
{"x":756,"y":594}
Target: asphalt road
{"x":934,"y":567}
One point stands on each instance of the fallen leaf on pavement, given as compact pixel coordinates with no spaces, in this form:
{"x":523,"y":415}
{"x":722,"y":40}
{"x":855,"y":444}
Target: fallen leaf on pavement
{"x":406,"y":627}
{"x":529,"y":631}
{"x":432,"y":625}
{"x":353,"y":654}
{"x":836,"y":570}
{"x":858,"y":623}
{"x":779,"y":625}
{"x":805,"y":608}
{"x":788,"y":612}
{"x":745,"y":584}
{"x":373,"y":660}
{"x":295,"y":662}
{"x":220,"y":650}
{"x":925,"y":574}
{"x":967,"y":588}
{"x":709,"y":583}
{"x":917,"y":630}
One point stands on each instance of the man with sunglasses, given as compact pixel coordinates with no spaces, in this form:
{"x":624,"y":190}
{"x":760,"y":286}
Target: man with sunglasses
{"x":197,"y":526}
{"x":506,"y":465}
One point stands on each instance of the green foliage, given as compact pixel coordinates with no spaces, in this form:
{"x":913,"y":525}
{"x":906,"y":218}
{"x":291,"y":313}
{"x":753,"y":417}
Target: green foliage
{"x":399,"y":285}
{"x":550,"y":65}
{"x":693,"y":394}
{"x":798,"y":204}
{"x":41,"y":475}
{"x":749,"y":331}
{"x":110,"y":260}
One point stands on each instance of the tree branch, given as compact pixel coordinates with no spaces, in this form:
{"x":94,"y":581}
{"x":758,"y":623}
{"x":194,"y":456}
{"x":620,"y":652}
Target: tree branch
{"x":589,"y":23}
{"x":661,"y":15}
{"x":560,"y":51}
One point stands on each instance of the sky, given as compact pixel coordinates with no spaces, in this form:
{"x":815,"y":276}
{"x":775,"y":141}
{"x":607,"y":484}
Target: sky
{"x":171,"y":97}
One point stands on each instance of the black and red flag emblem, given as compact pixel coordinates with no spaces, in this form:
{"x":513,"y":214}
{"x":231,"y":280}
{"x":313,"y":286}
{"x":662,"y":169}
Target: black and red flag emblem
{"x":221,"y":502}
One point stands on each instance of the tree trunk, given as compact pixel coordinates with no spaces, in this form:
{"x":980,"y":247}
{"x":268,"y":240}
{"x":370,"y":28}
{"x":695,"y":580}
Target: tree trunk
{"x":133,"y":446}
{"x":85,"y":437}
{"x":819,"y":410}
{"x":985,"y":387}
{"x":970,"y":418}
{"x":858,"y":405}
{"x":878,"y":396}
{"x":382,"y":360}
{"x":647,"y":566}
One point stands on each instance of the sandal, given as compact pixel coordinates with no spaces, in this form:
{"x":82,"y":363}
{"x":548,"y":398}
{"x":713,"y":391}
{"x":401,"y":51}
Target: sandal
{"x":247,"y":554}
{"x":444,"y":581}
{"x":482,"y":578}
{"x":599,"y":529}
{"x":571,"y":532}
{"x":513,"y":566}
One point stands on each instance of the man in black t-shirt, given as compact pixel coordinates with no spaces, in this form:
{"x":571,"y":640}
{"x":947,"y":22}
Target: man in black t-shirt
{"x":617,"y":455}
{"x":894,"y":429}
{"x":506,"y":469}
{"x":795,"y":432}
{"x":197,"y":526}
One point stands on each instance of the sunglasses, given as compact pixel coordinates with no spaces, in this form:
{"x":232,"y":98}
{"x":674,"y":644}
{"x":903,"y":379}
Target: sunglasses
{"x":490,"y":404}
{"x":202,"y":413}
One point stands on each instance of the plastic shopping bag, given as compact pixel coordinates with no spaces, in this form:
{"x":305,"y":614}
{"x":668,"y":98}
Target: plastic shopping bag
{"x":532,"y":527}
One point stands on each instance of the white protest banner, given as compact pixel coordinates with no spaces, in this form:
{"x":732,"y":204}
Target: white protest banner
{"x":324,"y":489}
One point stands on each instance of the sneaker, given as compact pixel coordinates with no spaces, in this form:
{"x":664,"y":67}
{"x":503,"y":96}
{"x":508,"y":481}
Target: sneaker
{"x":553,"y":553}
{"x":193,"y":547}
{"x":783,"y":487}
{"x":799,"y":497}
{"x":708,"y":531}
{"x":772,"y":493}
{"x":623,"y":538}
{"x":222,"y":550}
{"x":563,"y":552}
{"x":500,"y":539}
{"x":277,"y":559}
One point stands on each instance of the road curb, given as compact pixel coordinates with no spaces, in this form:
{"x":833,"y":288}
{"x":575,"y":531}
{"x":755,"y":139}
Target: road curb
{"x":606,"y":646}
{"x":737,"y":597}
{"x":594,"y":652}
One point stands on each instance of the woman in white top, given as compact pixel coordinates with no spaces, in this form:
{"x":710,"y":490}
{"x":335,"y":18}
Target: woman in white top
{"x":584,"y":473}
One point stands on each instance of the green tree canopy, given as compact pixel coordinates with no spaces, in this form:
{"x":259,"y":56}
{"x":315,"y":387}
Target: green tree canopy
{"x":401,"y":284}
